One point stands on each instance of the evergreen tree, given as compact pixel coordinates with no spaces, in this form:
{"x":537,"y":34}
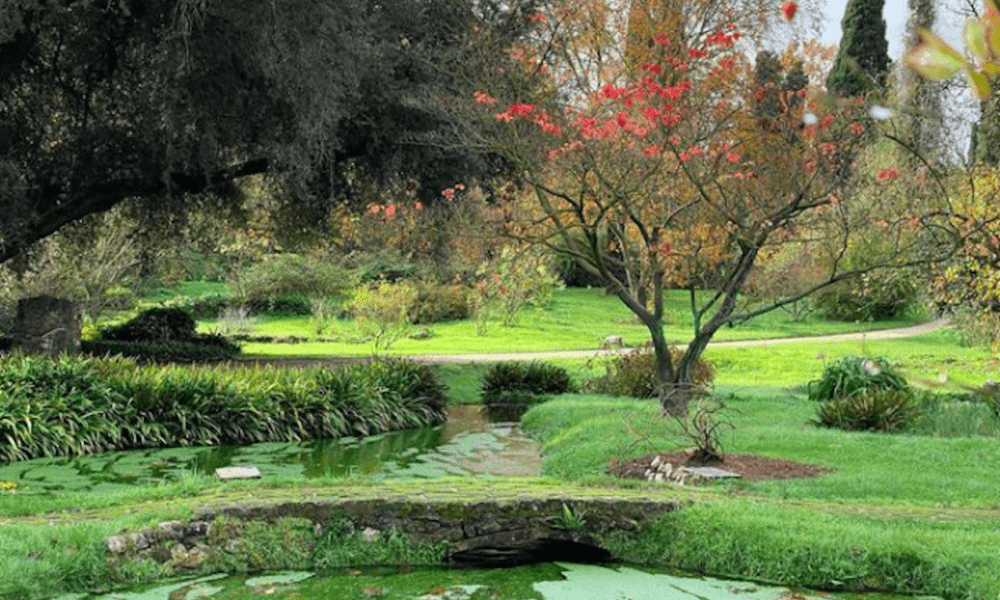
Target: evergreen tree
{"x":862,"y":61}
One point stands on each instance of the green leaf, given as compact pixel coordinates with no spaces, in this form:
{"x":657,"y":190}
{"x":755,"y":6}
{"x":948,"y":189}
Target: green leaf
{"x":934,"y":59}
{"x":979,"y":83}
{"x":975,"y":38}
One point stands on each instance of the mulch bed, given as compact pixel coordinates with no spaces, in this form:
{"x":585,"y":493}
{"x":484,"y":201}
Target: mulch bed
{"x":750,"y":467}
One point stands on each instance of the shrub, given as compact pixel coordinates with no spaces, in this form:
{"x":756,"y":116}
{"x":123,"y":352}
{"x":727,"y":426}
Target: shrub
{"x":520,"y":382}
{"x":852,"y":375}
{"x":290,"y":274}
{"x":869,"y":410}
{"x":634,"y":374}
{"x":977,"y":328}
{"x":510,"y":280}
{"x":870,"y":297}
{"x":383,"y":312}
{"x":161,"y":335}
{"x":280,"y":305}
{"x":155,"y":324}
{"x":440,"y":302}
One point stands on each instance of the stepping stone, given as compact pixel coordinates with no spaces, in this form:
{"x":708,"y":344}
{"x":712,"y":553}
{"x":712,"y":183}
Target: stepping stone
{"x":711,"y":472}
{"x":227,"y":473}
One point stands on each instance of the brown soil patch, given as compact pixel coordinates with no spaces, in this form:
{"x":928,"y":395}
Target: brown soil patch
{"x":750,"y":467}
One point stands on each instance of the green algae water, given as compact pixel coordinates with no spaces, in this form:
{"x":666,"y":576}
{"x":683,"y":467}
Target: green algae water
{"x":467,"y":445}
{"x":548,"y":581}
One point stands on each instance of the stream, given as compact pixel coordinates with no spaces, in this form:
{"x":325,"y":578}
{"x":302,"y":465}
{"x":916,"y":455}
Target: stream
{"x":545,"y":581}
{"x":467,"y":445}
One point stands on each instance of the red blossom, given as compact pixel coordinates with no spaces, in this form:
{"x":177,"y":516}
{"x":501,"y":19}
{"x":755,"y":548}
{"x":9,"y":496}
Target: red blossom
{"x":653,"y":150}
{"x":484,"y":98}
{"x":661,"y":39}
{"x":733,"y":156}
{"x":889,"y":174}
{"x":788,"y":10}
{"x":536,"y":17}
{"x":826,"y":121}
{"x":521,"y":110}
{"x":390,"y":211}
{"x":827,"y":147}
{"x":610,"y":92}
{"x":622,"y":118}
{"x":857,"y":128}
{"x":375,"y":208}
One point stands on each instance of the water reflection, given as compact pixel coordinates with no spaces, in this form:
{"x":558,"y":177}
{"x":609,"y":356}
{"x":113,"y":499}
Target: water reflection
{"x":468,"y":444}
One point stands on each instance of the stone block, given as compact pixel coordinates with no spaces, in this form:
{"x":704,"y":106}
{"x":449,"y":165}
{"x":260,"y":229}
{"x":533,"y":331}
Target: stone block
{"x":47,"y":325}
{"x":227,"y":473}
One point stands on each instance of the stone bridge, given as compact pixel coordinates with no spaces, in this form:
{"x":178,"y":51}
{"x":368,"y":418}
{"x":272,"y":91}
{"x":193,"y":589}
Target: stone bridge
{"x":477,"y":531}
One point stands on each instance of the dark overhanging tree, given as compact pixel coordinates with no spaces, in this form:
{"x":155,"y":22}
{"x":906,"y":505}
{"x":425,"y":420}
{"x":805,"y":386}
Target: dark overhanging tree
{"x":162,"y":101}
{"x":862,"y":61}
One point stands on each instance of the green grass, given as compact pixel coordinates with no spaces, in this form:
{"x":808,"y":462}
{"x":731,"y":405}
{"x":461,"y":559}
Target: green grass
{"x":190,"y":289}
{"x":581,"y":434}
{"x":576,"y":319}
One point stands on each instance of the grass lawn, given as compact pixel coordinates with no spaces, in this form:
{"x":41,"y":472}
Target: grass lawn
{"x":576,"y":319}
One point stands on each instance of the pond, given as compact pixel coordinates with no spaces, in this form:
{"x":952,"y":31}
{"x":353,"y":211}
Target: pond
{"x":467,"y":444}
{"x":545,"y":581}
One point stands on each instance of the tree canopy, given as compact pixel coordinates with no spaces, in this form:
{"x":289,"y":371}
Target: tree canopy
{"x":161,"y":100}
{"x":684,"y":166}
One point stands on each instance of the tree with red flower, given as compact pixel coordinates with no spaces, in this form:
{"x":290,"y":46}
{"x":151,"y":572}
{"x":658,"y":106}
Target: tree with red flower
{"x":661,"y":176}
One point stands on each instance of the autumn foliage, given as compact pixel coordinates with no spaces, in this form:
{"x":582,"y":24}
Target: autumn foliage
{"x":680,"y":171}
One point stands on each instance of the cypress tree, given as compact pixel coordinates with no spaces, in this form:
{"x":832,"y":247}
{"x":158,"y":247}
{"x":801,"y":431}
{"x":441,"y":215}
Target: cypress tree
{"x":862,"y":61}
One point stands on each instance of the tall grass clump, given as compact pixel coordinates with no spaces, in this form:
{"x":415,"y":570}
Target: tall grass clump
{"x":861,"y":394}
{"x":519,"y":382}
{"x":852,"y":375}
{"x":72,"y":405}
